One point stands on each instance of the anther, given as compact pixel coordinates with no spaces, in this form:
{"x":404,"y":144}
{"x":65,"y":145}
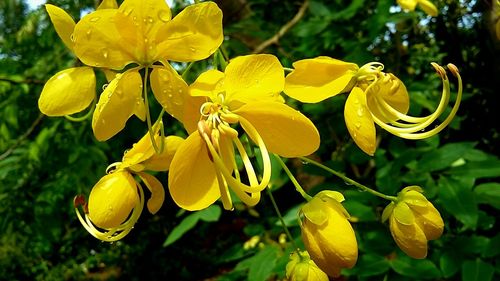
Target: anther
{"x":78,"y":201}
{"x":453,"y":69}
{"x":439,"y":69}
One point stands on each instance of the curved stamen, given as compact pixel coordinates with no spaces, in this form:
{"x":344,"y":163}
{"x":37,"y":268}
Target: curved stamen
{"x":409,"y":132}
{"x":224,"y":192}
{"x":115,"y":233}
{"x":111,"y":168}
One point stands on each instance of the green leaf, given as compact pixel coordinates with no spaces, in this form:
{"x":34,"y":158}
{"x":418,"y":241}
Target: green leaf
{"x":209,"y":214}
{"x":479,"y":169}
{"x":262,"y":264}
{"x":371,"y":264}
{"x":459,"y":201}
{"x":348,"y":12}
{"x":420,"y":269}
{"x":488,"y":193}
{"x":443,"y":157}
{"x":477,"y":271}
{"x":492,"y":249}
{"x":449,"y":263}
{"x":362,"y":211}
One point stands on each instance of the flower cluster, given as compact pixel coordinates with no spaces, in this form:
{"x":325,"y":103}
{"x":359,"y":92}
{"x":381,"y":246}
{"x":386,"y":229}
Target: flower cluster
{"x":235,"y":117}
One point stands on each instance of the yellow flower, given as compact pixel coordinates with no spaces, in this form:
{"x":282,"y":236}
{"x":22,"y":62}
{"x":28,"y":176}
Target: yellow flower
{"x":327,"y":233}
{"x":117,"y":199}
{"x":375,"y":97}
{"x":247,"y":93}
{"x":139,"y":32}
{"x":427,"y":6}
{"x":302,"y":268}
{"x":413,"y":220}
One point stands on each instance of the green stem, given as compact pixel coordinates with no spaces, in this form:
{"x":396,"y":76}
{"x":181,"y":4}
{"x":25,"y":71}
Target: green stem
{"x":148,"y":115}
{"x":84,"y":117}
{"x":277,"y":210}
{"x":297,"y":185}
{"x":349,"y":180}
{"x":186,"y":71}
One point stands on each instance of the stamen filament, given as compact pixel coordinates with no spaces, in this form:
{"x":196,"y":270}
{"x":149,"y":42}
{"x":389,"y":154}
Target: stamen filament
{"x":86,"y":116}
{"x":148,"y":115}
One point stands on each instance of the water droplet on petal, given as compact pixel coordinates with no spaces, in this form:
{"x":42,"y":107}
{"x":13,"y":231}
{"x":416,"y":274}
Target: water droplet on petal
{"x":94,"y":19}
{"x":192,"y":49}
{"x":361,"y":111}
{"x":72,"y":37}
{"x":358,"y":125}
{"x":180,"y":91}
{"x":128,"y":11}
{"x":170,"y":95}
{"x":105,"y":54}
{"x":164,"y":16}
{"x":89,"y":32}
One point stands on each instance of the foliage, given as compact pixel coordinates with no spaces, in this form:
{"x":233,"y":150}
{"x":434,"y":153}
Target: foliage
{"x":45,"y":161}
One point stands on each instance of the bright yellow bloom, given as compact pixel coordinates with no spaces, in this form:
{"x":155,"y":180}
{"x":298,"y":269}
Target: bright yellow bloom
{"x":116,"y":201}
{"x":138,"y":32}
{"x":427,"y":6}
{"x":413,"y":221}
{"x":327,"y":233}
{"x":375,"y":97}
{"x":248,"y":94}
{"x":302,"y":268}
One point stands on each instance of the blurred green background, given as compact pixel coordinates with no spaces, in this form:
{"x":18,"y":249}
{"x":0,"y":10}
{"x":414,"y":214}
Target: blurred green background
{"x":45,"y":162}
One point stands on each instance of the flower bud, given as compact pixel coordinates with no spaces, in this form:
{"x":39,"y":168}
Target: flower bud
{"x":413,"y":220}
{"x":112,"y":199}
{"x":302,"y":268}
{"x":327,"y":233}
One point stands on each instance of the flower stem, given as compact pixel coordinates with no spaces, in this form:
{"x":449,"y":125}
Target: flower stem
{"x":186,"y":70}
{"x":277,"y":210}
{"x":148,"y":115}
{"x":297,"y":185}
{"x":349,"y":180}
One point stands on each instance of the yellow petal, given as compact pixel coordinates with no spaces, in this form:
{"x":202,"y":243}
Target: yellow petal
{"x":430,"y":221}
{"x":63,"y":24}
{"x":330,"y":194}
{"x":138,"y":23}
{"x":359,"y":121}
{"x":116,"y":104}
{"x":409,"y":238}
{"x":285,"y":131}
{"x":140,"y":152}
{"x":408,"y":4}
{"x":253,"y":78}
{"x":314,"y":80}
{"x":108,"y":4}
{"x":403,"y":214}
{"x":157,"y":192}
{"x":97,"y":41}
{"x":192,"y":181}
{"x":331,"y":254}
{"x":428,"y":7}
{"x":112,"y":199}
{"x":170,"y":90}
{"x":161,"y":162}
{"x":68,"y":91}
{"x":415,"y":199}
{"x":208,"y":84}
{"x":194,"y":34}
{"x":398,"y":99}
{"x":313,"y":212}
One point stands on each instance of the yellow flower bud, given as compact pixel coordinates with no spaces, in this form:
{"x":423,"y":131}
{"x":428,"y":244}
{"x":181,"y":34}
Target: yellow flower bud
{"x":413,"y":220}
{"x":327,"y":234}
{"x":302,"y":268}
{"x":112,"y":199}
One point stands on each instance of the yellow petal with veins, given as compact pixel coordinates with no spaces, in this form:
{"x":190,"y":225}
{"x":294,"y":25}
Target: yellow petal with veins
{"x":359,"y":121}
{"x":98,"y":43}
{"x":170,"y":90}
{"x":194,"y":34}
{"x":161,"y":162}
{"x":112,"y":199}
{"x":68,"y":91}
{"x":285,"y":131}
{"x":397,"y":98}
{"x":253,"y":78}
{"x":116,"y":104}
{"x":208,"y":84}
{"x":192,"y":181}
{"x":317,"y":79}
{"x":63,"y":23}
{"x":157,"y":192}
{"x":138,"y":23}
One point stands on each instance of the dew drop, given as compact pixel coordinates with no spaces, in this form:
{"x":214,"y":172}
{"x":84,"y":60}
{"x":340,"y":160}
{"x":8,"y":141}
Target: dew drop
{"x":72,"y":37}
{"x":164,"y":16}
{"x":103,"y":121}
{"x":180,"y":91}
{"x":358,"y":125}
{"x":95,"y":19}
{"x":150,"y":19}
{"x":192,"y":49}
{"x":170,"y":95}
{"x":89,"y":32}
{"x":105,"y":54}
{"x":128,"y":11}
{"x":361,"y":111}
